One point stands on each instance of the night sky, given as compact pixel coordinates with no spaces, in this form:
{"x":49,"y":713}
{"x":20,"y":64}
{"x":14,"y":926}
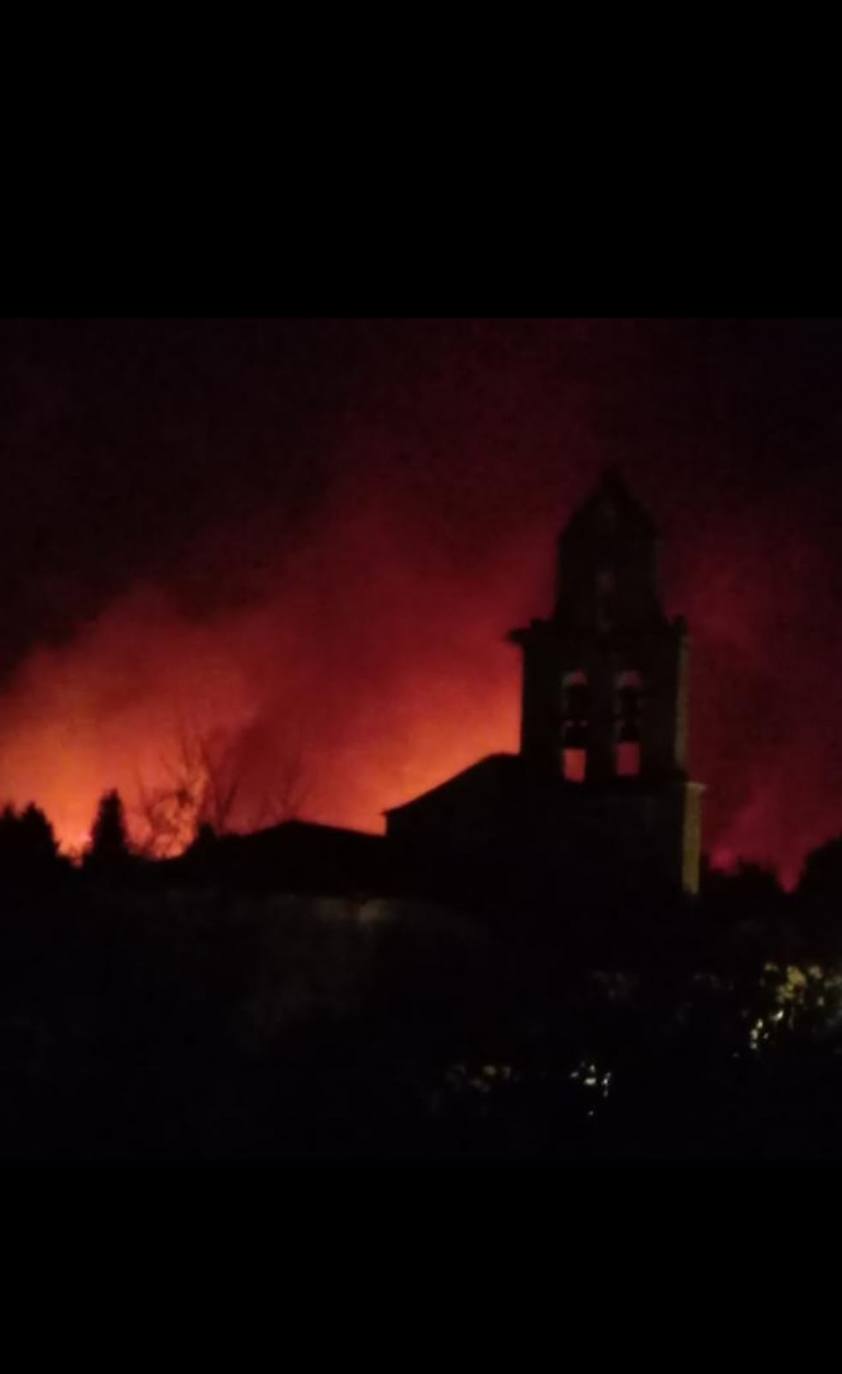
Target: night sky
{"x":308,"y":539}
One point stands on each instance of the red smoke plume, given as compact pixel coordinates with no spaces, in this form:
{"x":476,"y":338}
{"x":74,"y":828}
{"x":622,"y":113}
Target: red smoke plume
{"x":376,"y":665}
{"x":361,"y":644}
{"x":366,"y":665}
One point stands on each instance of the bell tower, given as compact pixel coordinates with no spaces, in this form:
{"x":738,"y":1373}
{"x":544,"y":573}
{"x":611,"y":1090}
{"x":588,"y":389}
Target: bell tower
{"x":604,"y":705}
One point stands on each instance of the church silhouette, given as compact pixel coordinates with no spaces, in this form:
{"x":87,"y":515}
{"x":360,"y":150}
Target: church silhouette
{"x":597,"y":800}
{"x":600,"y":778}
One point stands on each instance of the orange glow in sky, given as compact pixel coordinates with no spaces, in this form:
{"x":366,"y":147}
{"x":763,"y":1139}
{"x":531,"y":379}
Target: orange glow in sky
{"x":378,"y":665}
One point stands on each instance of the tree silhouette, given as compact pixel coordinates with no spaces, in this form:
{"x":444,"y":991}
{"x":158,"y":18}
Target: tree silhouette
{"x":818,"y":895}
{"x":821,"y":874}
{"x":201,"y":789}
{"x":109,"y":847}
{"x":204,"y":784}
{"x":27,"y":842}
{"x":35,"y":836}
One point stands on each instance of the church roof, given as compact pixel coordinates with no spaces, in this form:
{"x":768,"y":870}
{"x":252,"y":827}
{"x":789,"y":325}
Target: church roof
{"x":508,"y":776}
{"x":493,"y":773}
{"x":295,"y":856}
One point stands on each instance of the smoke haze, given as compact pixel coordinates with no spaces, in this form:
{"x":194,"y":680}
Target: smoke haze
{"x":307,"y":540}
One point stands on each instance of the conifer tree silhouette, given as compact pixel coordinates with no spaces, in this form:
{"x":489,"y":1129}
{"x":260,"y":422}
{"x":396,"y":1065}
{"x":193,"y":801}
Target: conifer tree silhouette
{"x":109,"y":847}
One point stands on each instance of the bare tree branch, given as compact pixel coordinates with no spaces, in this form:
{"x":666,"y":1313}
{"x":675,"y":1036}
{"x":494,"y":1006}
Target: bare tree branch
{"x":204,"y":778}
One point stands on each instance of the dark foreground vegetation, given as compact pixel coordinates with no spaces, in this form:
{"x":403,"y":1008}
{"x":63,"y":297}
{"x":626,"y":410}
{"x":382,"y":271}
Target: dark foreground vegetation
{"x":142,"y":1019}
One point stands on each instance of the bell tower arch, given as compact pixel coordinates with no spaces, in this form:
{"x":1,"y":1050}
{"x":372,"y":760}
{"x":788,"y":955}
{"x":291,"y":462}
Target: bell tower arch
{"x":605,"y":681}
